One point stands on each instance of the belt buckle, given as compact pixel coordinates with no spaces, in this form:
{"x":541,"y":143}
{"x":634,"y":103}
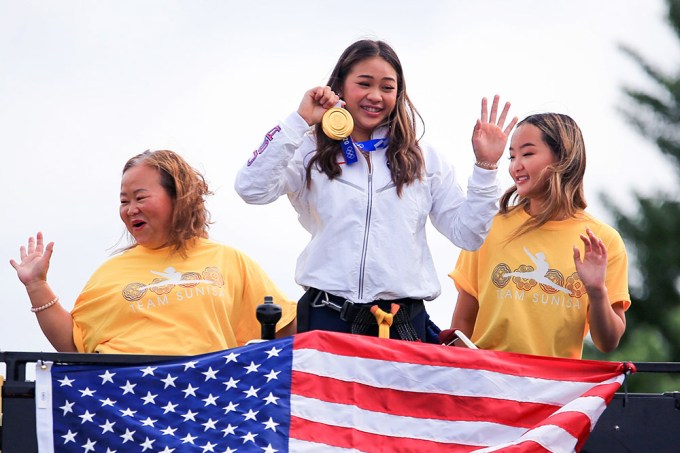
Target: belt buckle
{"x":344,"y":311}
{"x":318,"y":302}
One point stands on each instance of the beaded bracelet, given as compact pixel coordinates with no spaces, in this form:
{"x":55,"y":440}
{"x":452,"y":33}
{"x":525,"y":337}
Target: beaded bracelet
{"x":46,"y":306}
{"x":487,"y":165}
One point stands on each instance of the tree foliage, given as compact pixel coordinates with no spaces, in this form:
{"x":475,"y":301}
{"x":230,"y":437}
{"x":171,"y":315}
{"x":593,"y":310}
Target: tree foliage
{"x":652,"y":233}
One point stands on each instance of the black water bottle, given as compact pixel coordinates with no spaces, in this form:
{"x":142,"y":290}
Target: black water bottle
{"x":268,"y":314}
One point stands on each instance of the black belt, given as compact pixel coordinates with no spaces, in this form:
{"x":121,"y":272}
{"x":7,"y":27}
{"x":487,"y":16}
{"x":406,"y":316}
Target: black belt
{"x":348,"y":309}
{"x":358,"y":316}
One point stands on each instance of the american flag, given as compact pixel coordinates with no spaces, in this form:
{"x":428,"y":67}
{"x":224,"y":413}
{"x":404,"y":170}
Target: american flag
{"x":330,"y":392}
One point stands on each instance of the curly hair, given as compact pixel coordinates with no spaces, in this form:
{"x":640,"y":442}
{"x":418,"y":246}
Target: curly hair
{"x":563,"y":190}
{"x":187,"y":188}
{"x":403,"y":153}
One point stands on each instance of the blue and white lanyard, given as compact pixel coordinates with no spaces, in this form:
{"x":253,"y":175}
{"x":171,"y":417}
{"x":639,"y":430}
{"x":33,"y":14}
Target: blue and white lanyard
{"x":349,"y":147}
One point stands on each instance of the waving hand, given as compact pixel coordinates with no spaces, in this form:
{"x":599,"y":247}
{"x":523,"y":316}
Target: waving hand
{"x":489,"y":136}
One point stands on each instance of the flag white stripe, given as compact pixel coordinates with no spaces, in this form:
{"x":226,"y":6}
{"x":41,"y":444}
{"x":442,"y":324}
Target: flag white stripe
{"x":349,"y":416}
{"x":439,"y":379}
{"x":586,"y":405}
{"x":43,"y":407}
{"x":591,"y":406}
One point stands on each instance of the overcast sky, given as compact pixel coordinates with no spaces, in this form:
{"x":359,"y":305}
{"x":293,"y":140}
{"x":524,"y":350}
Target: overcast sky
{"x":85,"y":85}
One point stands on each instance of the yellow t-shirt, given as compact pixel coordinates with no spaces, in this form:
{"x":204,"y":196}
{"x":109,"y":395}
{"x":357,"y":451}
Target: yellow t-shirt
{"x":531,"y":300}
{"x":146,"y":302}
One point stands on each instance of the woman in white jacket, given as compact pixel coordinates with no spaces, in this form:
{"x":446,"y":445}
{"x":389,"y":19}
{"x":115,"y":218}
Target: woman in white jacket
{"x":365,"y":200}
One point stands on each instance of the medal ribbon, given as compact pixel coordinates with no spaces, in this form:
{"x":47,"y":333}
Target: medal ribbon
{"x":349,"y":147}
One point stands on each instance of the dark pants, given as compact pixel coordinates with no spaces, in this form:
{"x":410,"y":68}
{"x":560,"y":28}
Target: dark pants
{"x":311,"y":317}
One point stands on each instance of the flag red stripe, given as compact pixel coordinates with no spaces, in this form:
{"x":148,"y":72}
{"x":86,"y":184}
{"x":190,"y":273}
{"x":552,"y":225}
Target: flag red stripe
{"x":437,"y":355}
{"x":604,"y":391}
{"x":320,"y":433}
{"x":419,"y":404}
{"x":575,"y":423}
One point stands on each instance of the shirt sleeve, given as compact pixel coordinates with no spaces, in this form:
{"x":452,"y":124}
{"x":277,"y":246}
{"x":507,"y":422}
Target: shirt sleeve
{"x":78,"y":338}
{"x":617,"y":269}
{"x":464,"y":218}
{"x":257,"y":285}
{"x":465,"y":274}
{"x":274,"y":169}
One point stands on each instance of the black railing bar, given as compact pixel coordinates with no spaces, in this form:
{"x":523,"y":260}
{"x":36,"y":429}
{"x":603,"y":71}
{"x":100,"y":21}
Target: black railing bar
{"x":16,"y":361}
{"x":657,"y":367}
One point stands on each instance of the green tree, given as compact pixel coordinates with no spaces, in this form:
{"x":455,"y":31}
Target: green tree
{"x":652,"y":233}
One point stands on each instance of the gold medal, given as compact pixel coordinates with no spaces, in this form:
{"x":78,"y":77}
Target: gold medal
{"x":337,"y":123}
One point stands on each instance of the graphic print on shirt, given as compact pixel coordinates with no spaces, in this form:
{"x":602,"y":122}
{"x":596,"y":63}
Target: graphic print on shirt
{"x":550,"y":282}
{"x":171,"y":278}
{"x":540,"y":274}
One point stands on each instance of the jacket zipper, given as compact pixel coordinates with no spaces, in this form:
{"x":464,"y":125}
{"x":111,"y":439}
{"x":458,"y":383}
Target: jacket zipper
{"x":367,"y":227}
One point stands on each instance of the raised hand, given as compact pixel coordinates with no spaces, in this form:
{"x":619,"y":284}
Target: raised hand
{"x":489,"y":136}
{"x":315,"y":103}
{"x":35,"y":261}
{"x":592,"y":270}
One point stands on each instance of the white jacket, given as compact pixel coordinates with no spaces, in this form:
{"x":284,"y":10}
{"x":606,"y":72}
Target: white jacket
{"x":367,"y":243}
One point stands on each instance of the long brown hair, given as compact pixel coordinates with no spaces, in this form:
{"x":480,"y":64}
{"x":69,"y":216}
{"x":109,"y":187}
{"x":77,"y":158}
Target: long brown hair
{"x":403,"y":153}
{"x":187,"y":188}
{"x":563,"y":190}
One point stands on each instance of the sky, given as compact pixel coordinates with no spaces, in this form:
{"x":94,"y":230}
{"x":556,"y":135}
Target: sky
{"x":85,"y":85}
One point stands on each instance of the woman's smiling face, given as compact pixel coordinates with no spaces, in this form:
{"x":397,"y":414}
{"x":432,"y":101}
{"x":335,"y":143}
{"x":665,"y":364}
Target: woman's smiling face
{"x":145,"y":206}
{"x":370,"y":95}
{"x":529,"y":157}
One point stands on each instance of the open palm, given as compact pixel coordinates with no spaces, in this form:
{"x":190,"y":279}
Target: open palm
{"x":35,"y":260}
